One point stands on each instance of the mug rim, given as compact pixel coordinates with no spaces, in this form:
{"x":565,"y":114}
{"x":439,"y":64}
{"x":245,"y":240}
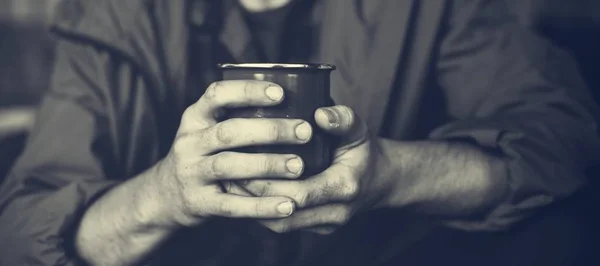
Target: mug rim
{"x":276,"y":66}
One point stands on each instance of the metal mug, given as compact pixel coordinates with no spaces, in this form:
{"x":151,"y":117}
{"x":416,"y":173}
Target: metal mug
{"x":306,"y":88}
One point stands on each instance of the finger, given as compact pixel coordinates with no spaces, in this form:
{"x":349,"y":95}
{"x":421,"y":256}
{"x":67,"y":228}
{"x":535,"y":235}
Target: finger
{"x":232,"y":206}
{"x":331,"y":216}
{"x":340,"y":120}
{"x":235,"y":165}
{"x":332,"y":185}
{"x":241,"y":132}
{"x":238,"y":93}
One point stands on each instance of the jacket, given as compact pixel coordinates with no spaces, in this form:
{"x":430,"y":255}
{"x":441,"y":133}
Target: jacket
{"x":440,"y":69}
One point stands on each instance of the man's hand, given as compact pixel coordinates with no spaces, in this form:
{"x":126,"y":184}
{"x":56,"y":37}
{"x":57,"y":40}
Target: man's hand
{"x":199,"y":159}
{"x":356,"y":181}
{"x":128,"y":223}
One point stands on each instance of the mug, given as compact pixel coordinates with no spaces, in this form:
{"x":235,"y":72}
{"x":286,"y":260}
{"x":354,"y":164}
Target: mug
{"x":306,"y":88}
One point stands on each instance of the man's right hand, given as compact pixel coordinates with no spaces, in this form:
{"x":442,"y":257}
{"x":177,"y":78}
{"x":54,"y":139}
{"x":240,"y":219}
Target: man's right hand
{"x":188,"y":178}
{"x":131,"y":220}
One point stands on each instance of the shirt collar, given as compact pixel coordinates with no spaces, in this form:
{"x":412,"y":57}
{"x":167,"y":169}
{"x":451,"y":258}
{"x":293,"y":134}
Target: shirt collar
{"x":235,"y":34}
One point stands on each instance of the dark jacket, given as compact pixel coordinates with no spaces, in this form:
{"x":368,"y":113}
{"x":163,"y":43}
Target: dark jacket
{"x":460,"y":70}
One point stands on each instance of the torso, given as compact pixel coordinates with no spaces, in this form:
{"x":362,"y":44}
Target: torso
{"x":239,"y":239}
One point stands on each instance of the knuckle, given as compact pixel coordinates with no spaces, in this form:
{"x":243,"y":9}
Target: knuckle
{"x":211,"y":91}
{"x":188,"y":113}
{"x":188,"y":204}
{"x":225,"y":209}
{"x":345,"y":186}
{"x":350,"y":191}
{"x":180,"y":144}
{"x":185,"y":147}
{"x":223,"y":134}
{"x":266,"y":164}
{"x":202,"y":139}
{"x":218,"y":164}
{"x":272,"y":131}
{"x":259,"y":209}
{"x":194,"y":118}
{"x":247,"y":90}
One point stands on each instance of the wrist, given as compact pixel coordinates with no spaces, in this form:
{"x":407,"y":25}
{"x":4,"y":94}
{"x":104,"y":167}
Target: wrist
{"x":444,"y":179}
{"x":397,"y":165}
{"x":126,"y":224}
{"x":154,"y":202}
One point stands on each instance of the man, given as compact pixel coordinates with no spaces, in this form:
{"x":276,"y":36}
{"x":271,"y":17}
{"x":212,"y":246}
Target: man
{"x":448,"y":113}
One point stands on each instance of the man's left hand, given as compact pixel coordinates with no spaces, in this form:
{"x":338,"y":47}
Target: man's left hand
{"x":358,"y":179}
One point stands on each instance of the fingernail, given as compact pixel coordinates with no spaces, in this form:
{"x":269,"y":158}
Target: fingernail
{"x":274,"y":92}
{"x":331,"y":117}
{"x":303,"y":131}
{"x":294,"y":165}
{"x":285,"y":208}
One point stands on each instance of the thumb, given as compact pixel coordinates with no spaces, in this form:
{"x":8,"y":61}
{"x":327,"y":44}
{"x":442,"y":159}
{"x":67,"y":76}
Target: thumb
{"x":341,"y":121}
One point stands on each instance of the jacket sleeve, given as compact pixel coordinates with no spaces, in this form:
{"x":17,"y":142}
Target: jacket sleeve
{"x":63,"y":168}
{"x":515,"y":94}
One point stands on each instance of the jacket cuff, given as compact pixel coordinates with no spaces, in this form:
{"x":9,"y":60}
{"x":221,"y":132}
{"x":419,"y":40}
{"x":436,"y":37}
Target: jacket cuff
{"x":42,"y":226}
{"x":531,"y":182}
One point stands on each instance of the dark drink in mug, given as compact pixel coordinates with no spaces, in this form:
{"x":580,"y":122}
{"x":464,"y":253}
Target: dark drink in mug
{"x":306,"y":88}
